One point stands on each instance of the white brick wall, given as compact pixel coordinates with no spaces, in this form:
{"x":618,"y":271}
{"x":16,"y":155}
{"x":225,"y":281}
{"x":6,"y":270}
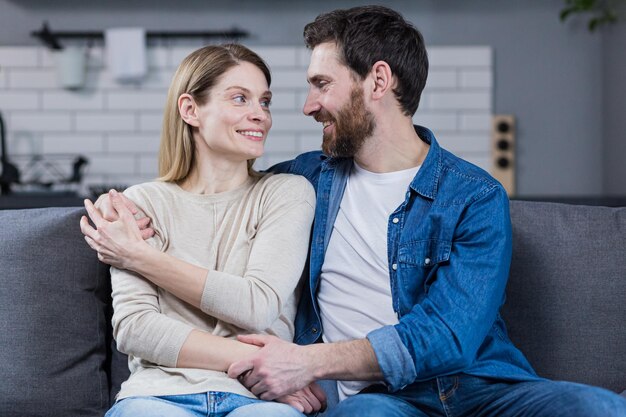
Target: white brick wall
{"x":29,"y":79}
{"x":77,"y":101}
{"x":40,"y":121}
{"x":17,"y":57}
{"x":114,"y":121}
{"x":117,"y":126}
{"x":25,"y":100}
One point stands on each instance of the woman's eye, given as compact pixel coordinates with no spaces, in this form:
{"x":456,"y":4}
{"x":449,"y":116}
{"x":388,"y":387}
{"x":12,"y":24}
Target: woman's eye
{"x":239,"y":99}
{"x":266,"y":103}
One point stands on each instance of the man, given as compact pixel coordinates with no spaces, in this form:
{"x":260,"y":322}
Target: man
{"x":410,"y":251}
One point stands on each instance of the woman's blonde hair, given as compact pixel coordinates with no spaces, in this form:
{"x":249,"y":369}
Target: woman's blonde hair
{"x":196,"y":76}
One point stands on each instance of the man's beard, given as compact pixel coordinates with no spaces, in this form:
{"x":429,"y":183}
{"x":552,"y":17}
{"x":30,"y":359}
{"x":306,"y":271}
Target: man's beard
{"x":353,"y":125}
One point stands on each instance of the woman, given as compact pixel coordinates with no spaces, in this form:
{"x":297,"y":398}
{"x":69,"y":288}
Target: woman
{"x":228,"y":251}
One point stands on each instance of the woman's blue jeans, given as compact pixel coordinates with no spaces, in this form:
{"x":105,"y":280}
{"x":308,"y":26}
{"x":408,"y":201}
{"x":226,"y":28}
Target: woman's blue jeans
{"x":208,"y":404}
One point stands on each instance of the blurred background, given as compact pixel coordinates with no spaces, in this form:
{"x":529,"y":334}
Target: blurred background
{"x":536,"y":100}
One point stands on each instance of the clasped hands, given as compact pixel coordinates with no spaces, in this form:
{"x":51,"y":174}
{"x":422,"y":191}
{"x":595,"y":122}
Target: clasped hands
{"x":118,"y":235}
{"x":277,"y":369}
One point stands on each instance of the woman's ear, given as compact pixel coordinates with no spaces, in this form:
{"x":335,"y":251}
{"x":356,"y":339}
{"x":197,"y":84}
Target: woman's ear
{"x":383,"y":79}
{"x":187,"y":108}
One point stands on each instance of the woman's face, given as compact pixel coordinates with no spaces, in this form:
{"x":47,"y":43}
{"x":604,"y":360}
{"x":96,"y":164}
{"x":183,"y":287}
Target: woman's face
{"x":236,"y":119}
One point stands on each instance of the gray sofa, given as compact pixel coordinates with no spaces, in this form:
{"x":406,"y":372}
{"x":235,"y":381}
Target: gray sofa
{"x":565,"y":306}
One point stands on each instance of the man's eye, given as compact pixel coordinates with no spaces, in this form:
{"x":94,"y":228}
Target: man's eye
{"x":322,"y":85}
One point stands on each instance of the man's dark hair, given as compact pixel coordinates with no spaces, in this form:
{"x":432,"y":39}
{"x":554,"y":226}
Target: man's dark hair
{"x":368,"y":34}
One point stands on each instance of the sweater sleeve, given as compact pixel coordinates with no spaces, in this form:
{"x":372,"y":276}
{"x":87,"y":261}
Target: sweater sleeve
{"x":275,"y":264}
{"x":139,"y":327}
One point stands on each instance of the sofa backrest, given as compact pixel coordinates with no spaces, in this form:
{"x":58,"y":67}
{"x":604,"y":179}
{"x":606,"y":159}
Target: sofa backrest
{"x":566,"y":296}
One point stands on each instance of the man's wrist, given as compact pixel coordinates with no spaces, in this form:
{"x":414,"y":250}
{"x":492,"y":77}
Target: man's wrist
{"x":315,"y":360}
{"x":349,"y":360}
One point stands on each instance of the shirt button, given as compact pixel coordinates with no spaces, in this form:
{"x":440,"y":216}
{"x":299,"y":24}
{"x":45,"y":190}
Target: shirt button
{"x":314,"y":329}
{"x":395,"y":220}
{"x":394,"y":266}
{"x":427,"y":261}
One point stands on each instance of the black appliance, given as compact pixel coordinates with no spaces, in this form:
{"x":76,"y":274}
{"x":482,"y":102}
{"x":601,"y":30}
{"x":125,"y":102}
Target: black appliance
{"x":10,"y":173}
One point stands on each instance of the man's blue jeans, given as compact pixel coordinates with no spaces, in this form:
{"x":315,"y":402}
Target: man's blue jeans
{"x":209,"y":404}
{"x":465,"y":396}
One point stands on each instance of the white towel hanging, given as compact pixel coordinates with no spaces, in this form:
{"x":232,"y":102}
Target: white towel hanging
{"x":126,"y":53}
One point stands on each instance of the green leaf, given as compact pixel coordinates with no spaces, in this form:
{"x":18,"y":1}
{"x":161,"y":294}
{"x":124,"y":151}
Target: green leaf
{"x":600,"y":12}
{"x":565,"y":13}
{"x":587,"y":4}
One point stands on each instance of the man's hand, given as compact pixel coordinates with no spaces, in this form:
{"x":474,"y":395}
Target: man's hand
{"x":309,"y":400}
{"x":115,"y":241}
{"x":104,"y":204}
{"x":279,"y":368}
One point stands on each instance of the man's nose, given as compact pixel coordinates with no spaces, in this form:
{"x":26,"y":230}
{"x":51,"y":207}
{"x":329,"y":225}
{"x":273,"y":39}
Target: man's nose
{"x":311,"y":105}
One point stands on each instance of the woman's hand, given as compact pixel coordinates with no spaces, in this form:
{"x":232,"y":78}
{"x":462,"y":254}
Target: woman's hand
{"x":117,"y":242}
{"x":310,"y":399}
{"x":105,"y":206}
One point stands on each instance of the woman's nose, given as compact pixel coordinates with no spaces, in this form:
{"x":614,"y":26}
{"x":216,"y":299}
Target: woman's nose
{"x":259,"y":112}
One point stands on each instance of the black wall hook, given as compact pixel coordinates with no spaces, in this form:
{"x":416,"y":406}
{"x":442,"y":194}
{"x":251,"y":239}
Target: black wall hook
{"x":50,"y":39}
{"x":47,"y":37}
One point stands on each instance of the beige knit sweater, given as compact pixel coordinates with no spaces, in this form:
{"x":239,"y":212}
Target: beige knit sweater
{"x":254,"y":242}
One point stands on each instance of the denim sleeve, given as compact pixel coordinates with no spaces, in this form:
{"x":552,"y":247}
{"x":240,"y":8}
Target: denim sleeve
{"x":443,"y":332}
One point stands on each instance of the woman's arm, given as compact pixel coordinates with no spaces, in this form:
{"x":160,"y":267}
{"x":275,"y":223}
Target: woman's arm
{"x":275,"y":263}
{"x":120,"y":243}
{"x":141,"y":330}
{"x":205,"y":350}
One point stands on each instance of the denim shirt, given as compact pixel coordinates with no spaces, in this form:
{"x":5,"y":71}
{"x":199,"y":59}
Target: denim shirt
{"x":449,"y":251}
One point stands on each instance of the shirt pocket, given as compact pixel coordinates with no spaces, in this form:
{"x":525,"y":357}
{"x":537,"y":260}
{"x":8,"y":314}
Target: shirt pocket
{"x":419,"y":261}
{"x":425,"y":253}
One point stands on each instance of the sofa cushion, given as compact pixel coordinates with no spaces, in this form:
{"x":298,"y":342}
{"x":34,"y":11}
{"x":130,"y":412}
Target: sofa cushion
{"x":566,"y":294}
{"x":54,"y":297}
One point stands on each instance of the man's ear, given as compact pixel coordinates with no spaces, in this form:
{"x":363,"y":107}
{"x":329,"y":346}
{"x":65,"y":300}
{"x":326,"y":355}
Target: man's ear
{"x":188,"y":109}
{"x":383,"y":79}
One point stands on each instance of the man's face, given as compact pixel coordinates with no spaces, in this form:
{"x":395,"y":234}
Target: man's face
{"x":336,"y":99}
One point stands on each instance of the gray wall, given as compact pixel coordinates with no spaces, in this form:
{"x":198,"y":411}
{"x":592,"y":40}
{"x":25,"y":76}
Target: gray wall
{"x":615,"y":109}
{"x":564,"y":84}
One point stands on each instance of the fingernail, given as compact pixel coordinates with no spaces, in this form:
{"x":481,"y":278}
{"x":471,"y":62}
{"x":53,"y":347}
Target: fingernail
{"x":113,"y":192}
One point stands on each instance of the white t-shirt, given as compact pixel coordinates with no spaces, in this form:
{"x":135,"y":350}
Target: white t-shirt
{"x":355,"y":292}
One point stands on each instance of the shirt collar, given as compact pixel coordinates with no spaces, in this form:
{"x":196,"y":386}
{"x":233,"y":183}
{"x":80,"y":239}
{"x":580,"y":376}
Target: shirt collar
{"x":427,"y":178}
